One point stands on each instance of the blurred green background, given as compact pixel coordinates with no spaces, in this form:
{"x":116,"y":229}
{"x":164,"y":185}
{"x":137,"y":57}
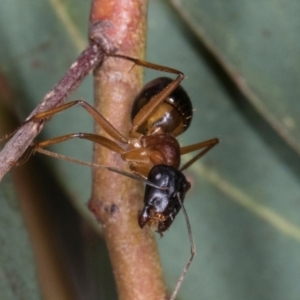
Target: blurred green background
{"x":241,"y":60}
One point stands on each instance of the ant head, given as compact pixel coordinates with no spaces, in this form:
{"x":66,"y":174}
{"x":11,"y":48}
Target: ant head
{"x":172,"y":116}
{"x":162,"y":205}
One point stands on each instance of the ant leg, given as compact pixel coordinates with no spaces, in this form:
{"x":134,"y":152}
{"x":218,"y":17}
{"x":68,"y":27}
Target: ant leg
{"x":113,"y":132}
{"x":92,"y":165}
{"x":148,"y":109}
{"x":207,"y":145}
{"x":193,"y":251}
{"x":147,"y":64}
{"x":105,"y":142}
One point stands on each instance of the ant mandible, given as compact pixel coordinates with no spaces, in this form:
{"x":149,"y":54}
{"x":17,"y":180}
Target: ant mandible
{"x":160,"y":112}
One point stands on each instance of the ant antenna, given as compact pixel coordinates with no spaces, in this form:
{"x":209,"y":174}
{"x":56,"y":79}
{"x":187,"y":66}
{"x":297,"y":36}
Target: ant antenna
{"x":193,"y":251}
{"x":92,"y":165}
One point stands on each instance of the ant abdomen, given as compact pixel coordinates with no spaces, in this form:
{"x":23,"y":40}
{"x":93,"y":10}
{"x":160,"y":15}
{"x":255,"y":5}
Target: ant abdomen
{"x":173,"y":115}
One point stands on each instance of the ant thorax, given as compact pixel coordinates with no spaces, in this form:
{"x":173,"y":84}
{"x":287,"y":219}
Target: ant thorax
{"x":158,"y":149}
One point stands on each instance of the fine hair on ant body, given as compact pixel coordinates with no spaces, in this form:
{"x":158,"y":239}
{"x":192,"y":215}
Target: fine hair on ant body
{"x":160,"y":112}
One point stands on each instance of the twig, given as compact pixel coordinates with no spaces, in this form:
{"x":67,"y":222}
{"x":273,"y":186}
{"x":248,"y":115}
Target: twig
{"x":116,"y":199}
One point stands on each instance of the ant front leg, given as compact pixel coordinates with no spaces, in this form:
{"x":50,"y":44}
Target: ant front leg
{"x":112,"y":131}
{"x":151,"y":106}
{"x":206,"y":146}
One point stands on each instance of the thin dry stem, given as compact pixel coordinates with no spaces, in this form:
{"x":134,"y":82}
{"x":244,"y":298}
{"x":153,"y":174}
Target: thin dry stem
{"x":116,"y":199}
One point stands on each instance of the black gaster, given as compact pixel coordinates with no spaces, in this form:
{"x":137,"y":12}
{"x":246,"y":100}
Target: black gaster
{"x":163,"y":202}
{"x":178,"y":99}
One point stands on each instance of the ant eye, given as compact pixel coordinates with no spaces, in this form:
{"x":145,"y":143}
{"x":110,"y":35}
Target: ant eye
{"x":156,"y":201}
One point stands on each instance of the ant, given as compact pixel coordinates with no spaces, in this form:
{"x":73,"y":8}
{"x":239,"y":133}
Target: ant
{"x":160,"y":112}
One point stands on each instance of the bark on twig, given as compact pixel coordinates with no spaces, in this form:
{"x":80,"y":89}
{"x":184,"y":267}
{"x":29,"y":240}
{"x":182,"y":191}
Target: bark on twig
{"x":116,"y":200}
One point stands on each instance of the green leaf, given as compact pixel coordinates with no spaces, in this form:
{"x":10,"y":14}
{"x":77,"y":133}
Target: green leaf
{"x":16,"y":253}
{"x":241,"y":62}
